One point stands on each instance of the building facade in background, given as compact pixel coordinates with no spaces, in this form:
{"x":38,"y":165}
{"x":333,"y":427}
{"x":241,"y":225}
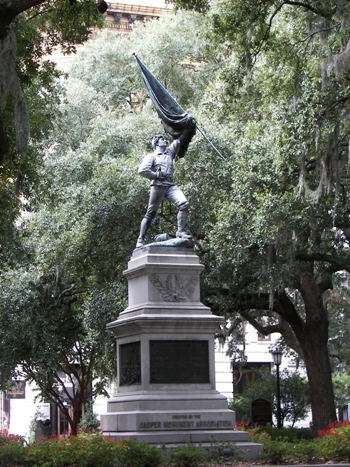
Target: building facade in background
{"x":122,"y":16}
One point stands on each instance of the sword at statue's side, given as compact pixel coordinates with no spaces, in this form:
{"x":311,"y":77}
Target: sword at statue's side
{"x":174,"y":119}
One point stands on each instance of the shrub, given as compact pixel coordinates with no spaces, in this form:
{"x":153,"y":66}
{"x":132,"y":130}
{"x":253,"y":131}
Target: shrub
{"x":45,"y":452}
{"x":92,"y":450}
{"x":12,"y":453}
{"x":89,"y":422}
{"x":285,"y":445}
{"x":307,"y":452}
{"x":290,"y":434}
{"x":82,"y":451}
{"x":139,"y":454}
{"x":335,"y":441}
{"x":276,"y":452}
{"x":187,"y":456}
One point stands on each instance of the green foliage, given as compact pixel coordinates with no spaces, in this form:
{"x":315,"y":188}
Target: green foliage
{"x":107,"y":66}
{"x":308,"y":451}
{"x":286,"y":445}
{"x":79,"y":226}
{"x":33,"y":423}
{"x":276,"y":452}
{"x":89,"y":422}
{"x":274,"y":225}
{"x":222,"y":452}
{"x":262,"y":387}
{"x":281,"y":452}
{"x":82,"y":451}
{"x":335,"y":441}
{"x":12,"y":454}
{"x":139,"y":454}
{"x":85,"y":450}
{"x":187,"y":456}
{"x":338,"y":306}
{"x":295,"y":397}
{"x":12,"y":450}
{"x":341,"y":385}
{"x":292,"y":435}
{"x":28,"y":92}
{"x":242,"y":409}
{"x":279,"y":447}
{"x":270,"y":225}
{"x":196,"y":5}
{"x":55,"y":336}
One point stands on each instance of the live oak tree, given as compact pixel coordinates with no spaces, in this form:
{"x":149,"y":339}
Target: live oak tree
{"x":178,"y":60}
{"x":250,"y":222}
{"x":77,"y":232}
{"x":270,"y":225}
{"x":338,"y":308}
{"x":29,"y":31}
{"x":282,"y":232}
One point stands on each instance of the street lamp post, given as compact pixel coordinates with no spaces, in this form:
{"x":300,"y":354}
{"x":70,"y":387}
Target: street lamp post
{"x":277,"y":359}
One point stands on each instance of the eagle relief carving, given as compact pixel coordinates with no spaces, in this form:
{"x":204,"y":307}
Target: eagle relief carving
{"x":175,"y":288}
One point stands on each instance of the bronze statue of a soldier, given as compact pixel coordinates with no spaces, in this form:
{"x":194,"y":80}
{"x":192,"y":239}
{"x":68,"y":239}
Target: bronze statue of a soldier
{"x":158,"y":167}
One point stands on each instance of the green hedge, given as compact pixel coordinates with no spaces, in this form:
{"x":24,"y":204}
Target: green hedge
{"x":93,"y":450}
{"x":292,"y":445}
{"x":80,"y":451}
{"x":290,"y":434}
{"x":280,"y":446}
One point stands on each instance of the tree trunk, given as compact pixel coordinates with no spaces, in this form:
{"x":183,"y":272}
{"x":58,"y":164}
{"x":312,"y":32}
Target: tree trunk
{"x":315,"y":352}
{"x":4,"y":147}
{"x":10,"y":9}
{"x":320,"y":381}
{"x":73,"y":417}
{"x":75,"y":420}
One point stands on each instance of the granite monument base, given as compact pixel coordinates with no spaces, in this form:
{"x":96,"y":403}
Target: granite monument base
{"x":165,"y":358}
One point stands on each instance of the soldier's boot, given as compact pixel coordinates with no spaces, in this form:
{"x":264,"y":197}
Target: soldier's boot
{"x":182,"y":217}
{"x":145,"y":224}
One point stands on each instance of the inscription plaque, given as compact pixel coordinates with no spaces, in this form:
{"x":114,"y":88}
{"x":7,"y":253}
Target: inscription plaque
{"x":130,"y":364}
{"x":179,"y":362}
{"x":261,"y":411}
{"x":17,"y":391}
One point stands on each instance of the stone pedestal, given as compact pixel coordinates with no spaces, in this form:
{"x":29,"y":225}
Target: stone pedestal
{"x":165,"y":357}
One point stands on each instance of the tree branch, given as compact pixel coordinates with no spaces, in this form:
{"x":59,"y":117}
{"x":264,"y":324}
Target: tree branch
{"x":307,"y":7}
{"x":265,"y":330}
{"x":340,"y":264}
{"x":315,"y":33}
{"x":9,"y":9}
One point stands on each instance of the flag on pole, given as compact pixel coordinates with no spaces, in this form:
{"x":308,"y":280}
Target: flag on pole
{"x":174,"y":119}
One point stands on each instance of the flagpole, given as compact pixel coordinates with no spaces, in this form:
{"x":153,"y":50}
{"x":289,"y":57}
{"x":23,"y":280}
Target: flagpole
{"x":211,"y":144}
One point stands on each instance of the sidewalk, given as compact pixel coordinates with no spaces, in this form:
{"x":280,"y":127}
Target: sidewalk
{"x":259,"y":464}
